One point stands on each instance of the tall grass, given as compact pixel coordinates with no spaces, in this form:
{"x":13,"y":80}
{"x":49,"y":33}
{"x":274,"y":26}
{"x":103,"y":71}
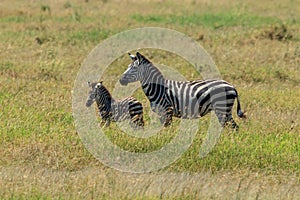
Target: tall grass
{"x":43,"y":46}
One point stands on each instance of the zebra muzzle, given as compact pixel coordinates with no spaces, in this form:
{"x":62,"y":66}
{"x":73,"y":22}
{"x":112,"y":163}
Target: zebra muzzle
{"x":123,"y":82}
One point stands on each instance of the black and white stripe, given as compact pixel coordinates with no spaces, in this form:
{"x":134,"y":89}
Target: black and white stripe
{"x":115,"y":110}
{"x":188,"y":100}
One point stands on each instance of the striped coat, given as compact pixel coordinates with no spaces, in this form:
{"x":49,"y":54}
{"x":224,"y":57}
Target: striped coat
{"x":189,"y":100}
{"x":115,"y":110}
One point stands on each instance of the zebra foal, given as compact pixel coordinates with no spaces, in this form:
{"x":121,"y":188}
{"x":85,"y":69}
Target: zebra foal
{"x":115,"y":110}
{"x":187,"y":100}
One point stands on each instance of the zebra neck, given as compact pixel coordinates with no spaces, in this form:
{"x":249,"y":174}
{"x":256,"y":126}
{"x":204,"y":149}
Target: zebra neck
{"x":154,"y":90}
{"x":152,"y":82}
{"x":105,"y":105}
{"x":152,"y":75}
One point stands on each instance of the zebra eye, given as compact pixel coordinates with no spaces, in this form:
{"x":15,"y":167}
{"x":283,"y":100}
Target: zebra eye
{"x":136,"y":63}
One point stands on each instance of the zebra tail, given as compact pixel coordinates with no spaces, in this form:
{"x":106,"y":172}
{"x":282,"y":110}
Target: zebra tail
{"x":239,"y":111}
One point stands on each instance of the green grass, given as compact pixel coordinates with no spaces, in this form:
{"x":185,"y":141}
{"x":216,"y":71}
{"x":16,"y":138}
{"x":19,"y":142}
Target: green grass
{"x":208,"y":20}
{"x":41,"y":153}
{"x":93,"y":35}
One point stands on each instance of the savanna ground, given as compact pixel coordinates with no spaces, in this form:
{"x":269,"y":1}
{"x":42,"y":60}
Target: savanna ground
{"x":256,"y":46}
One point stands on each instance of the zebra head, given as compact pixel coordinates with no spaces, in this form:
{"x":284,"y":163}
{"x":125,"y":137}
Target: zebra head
{"x":135,"y":69}
{"x":93,"y":93}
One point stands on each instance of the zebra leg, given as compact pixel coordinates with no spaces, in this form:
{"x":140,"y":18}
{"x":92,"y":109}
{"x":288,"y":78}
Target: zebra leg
{"x":103,"y":122}
{"x":234,"y":126}
{"x":225,"y":119}
{"x":105,"y":118}
{"x":221,"y":118}
{"x":141,"y":121}
{"x":137,"y":121}
{"x":106,"y":122}
{"x":166,"y":118}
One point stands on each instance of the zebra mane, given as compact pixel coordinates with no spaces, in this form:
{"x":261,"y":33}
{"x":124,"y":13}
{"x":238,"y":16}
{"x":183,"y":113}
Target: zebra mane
{"x":103,"y":91}
{"x":142,"y":59}
{"x":150,"y":66}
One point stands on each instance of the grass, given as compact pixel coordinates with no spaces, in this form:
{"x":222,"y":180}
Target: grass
{"x":208,"y":20}
{"x":255,"y":46}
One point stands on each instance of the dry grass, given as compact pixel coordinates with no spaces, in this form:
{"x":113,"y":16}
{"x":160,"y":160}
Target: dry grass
{"x":96,"y":182}
{"x":43,"y":45}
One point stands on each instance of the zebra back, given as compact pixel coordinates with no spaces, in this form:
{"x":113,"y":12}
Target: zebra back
{"x":190,"y":99}
{"x":126,"y":108}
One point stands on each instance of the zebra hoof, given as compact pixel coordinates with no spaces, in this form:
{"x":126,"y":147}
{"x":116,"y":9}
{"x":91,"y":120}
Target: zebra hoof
{"x":235,"y":128}
{"x":167,"y":124}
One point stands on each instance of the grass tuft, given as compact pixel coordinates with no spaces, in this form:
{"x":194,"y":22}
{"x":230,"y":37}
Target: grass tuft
{"x":255,"y":47}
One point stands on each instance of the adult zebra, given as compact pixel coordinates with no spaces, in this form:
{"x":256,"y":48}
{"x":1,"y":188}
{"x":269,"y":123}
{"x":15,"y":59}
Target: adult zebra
{"x":115,"y":110}
{"x":191,"y":99}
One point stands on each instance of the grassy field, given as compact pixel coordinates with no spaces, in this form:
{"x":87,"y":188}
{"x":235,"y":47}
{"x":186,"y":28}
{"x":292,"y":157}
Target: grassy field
{"x":256,"y":46}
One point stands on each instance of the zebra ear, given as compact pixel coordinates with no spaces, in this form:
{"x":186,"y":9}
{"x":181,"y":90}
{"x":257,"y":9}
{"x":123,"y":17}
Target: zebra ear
{"x":89,"y":83}
{"x":133,"y":58}
{"x":141,"y":58}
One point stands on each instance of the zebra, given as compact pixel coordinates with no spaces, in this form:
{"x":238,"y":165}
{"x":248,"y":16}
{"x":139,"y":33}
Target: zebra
{"x":182,"y":99}
{"x":115,"y":110}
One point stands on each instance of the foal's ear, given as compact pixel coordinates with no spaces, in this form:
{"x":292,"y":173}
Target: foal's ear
{"x":133,"y":57}
{"x":89,"y":84}
{"x":99,"y":84}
